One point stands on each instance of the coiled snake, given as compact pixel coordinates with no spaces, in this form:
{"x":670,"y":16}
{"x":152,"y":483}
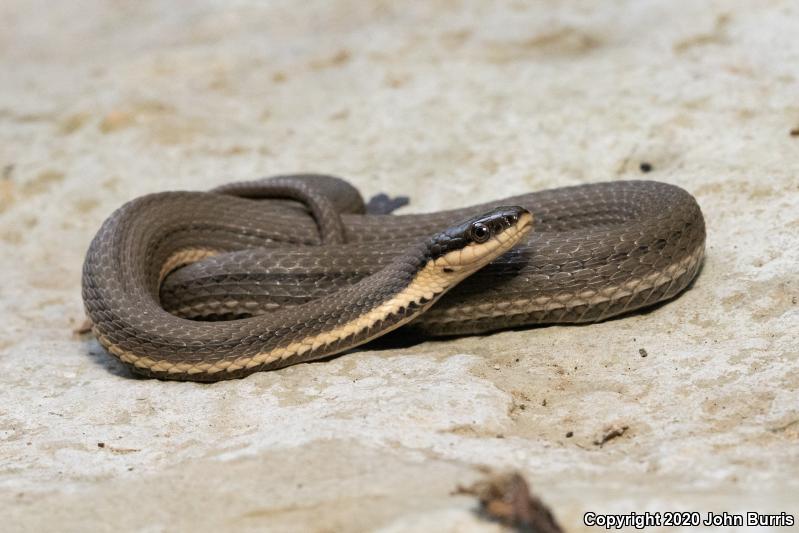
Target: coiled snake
{"x":259,"y":275}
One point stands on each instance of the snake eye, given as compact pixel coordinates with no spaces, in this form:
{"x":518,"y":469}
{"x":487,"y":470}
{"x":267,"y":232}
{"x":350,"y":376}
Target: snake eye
{"x":480,"y":232}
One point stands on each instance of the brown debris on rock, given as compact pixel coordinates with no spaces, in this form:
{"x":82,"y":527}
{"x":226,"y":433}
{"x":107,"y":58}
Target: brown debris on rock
{"x":507,"y":499}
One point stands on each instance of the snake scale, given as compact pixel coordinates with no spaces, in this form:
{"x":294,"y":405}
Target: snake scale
{"x":259,"y":275}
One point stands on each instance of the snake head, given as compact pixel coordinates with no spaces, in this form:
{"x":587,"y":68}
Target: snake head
{"x":470,"y":245}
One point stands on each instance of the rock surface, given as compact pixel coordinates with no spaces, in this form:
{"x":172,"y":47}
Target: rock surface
{"x":449,"y":102}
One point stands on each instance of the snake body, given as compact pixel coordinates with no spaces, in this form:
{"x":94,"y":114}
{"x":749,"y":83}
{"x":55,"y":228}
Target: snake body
{"x":301,"y":272}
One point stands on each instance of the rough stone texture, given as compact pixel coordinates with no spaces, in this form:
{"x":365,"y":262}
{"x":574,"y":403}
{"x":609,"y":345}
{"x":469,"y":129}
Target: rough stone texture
{"x":451,"y":102}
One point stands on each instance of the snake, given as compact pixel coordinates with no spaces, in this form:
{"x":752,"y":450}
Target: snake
{"x":262,"y":274}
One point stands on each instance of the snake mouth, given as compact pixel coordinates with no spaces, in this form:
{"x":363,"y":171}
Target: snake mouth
{"x":507,"y":231}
